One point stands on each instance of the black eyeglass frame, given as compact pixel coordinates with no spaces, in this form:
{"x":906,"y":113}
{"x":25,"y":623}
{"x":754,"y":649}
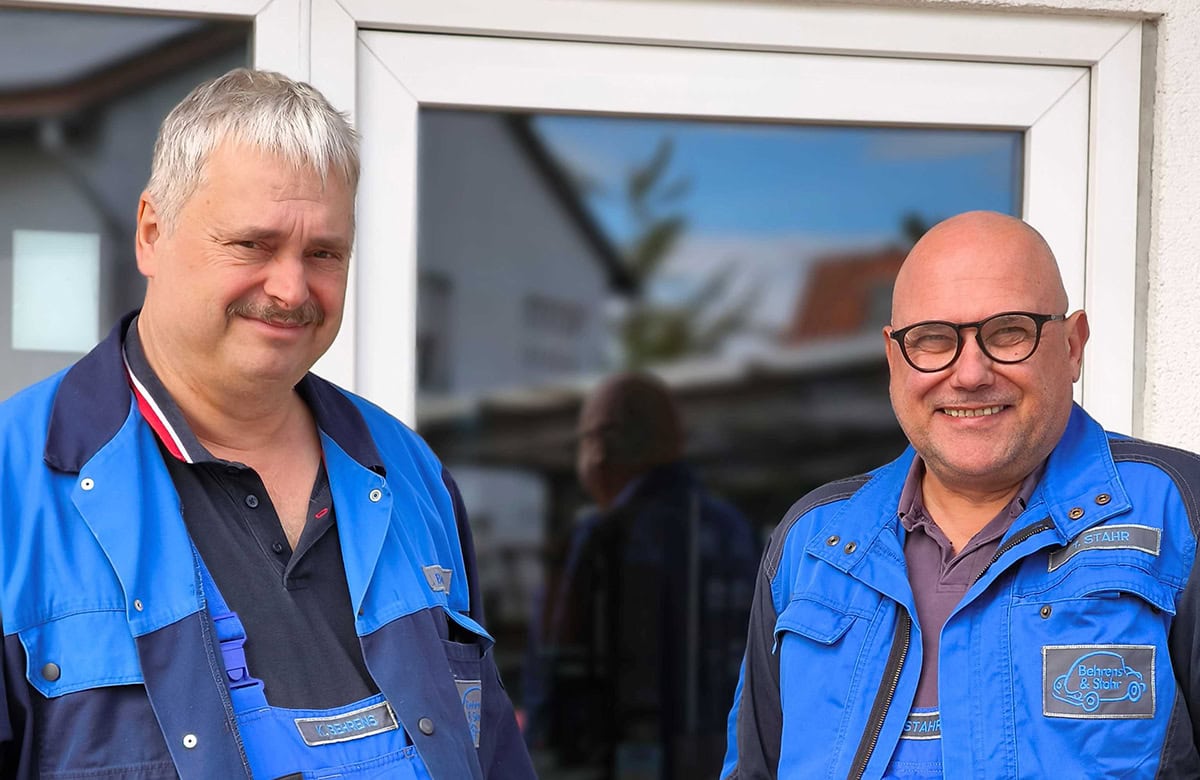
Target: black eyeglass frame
{"x":1038,"y":319}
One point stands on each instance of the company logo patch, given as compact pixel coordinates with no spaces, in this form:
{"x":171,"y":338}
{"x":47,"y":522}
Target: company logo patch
{"x":1098,"y":681}
{"x":438,"y":578}
{"x":471,"y":693}
{"x":923,"y":725}
{"x":1109,"y":537}
{"x":349,"y":725}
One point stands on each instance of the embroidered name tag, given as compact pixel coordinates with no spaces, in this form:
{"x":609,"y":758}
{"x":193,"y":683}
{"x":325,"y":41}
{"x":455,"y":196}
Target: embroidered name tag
{"x":1109,"y":537}
{"x":923,"y":725}
{"x":349,"y":725}
{"x":471,"y":693}
{"x":438,"y":578}
{"x":1098,"y":681}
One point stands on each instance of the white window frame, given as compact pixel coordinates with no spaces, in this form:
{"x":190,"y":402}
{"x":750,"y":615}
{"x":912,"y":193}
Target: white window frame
{"x":320,"y":40}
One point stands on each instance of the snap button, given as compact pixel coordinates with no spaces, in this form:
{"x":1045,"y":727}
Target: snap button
{"x":833,"y":540}
{"x":377,"y":494}
{"x":51,"y":672}
{"x":189,"y":741}
{"x":1103,"y":499}
{"x":277,"y":547}
{"x":87,"y":483}
{"x":850,"y":547}
{"x":1075,"y":513}
{"x":1046,"y":610}
{"x":252,"y":501}
{"x":137,"y":604}
{"x":426,"y":726}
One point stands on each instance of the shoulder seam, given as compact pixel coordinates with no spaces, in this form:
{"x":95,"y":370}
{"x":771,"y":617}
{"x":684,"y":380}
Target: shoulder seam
{"x":1140,"y":451}
{"x":826,"y":494}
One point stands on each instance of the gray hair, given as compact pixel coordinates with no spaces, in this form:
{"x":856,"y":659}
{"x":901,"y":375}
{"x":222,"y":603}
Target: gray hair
{"x":262,"y":109}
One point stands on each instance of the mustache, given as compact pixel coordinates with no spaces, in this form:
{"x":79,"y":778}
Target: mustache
{"x":307,"y":313}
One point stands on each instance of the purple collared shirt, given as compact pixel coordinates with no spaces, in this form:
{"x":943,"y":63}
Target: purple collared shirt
{"x":940,"y":578}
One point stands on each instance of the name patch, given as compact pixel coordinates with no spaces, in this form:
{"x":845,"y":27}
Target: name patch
{"x":1109,"y":537}
{"x":1098,"y":681}
{"x":438,"y":578}
{"x":471,"y":693}
{"x":349,"y":725}
{"x":923,"y":725}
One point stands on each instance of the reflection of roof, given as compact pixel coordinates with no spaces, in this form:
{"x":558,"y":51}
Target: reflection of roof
{"x":821,"y":410}
{"x":95,"y":56}
{"x":619,"y":277}
{"x":844,"y":294}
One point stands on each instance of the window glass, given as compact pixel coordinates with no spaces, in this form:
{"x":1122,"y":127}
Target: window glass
{"x":81,"y":99}
{"x":750,"y":268}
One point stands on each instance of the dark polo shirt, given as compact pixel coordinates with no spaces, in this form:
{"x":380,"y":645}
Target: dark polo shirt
{"x":294,"y":604}
{"x":940,"y":578}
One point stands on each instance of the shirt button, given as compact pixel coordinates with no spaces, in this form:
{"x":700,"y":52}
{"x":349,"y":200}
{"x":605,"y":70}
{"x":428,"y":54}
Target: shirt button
{"x":252,"y":501}
{"x":87,"y":483}
{"x":277,"y":547}
{"x":189,"y":741}
{"x":426,"y":726}
{"x":51,"y":672}
{"x":375,"y":495}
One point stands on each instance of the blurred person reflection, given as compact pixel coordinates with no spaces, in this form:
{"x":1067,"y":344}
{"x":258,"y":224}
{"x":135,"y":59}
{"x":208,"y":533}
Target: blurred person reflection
{"x":645,"y":621}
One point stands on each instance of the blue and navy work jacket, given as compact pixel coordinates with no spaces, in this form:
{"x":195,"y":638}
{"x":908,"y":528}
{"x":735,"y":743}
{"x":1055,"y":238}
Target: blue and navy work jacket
{"x":1074,"y":653}
{"x":109,"y":666}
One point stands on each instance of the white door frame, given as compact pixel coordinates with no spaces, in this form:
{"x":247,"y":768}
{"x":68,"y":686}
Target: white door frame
{"x":319,"y":40}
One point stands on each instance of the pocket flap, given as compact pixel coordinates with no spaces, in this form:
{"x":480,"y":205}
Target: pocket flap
{"x":814,"y":620}
{"x":81,"y":651}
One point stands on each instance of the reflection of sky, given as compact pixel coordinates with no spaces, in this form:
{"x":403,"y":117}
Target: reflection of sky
{"x":775,"y":180}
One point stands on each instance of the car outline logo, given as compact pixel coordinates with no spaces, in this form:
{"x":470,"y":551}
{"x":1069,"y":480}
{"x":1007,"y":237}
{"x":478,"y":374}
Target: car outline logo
{"x":1098,"y":677}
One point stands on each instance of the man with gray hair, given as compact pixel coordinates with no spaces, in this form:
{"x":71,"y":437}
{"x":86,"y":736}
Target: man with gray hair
{"x":214,"y":564}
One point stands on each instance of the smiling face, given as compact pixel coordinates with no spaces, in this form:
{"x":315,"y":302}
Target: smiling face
{"x":982,"y":426}
{"x":248,"y":285}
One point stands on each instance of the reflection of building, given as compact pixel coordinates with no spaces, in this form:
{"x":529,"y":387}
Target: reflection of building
{"x":531,"y":263}
{"x":846,"y":294}
{"x":81,"y":97}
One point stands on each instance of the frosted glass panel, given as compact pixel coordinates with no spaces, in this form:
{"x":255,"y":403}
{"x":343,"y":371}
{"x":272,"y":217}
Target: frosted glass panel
{"x":56,"y":290}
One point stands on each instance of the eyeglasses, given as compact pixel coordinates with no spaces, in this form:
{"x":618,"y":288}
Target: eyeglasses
{"x":1008,"y":337}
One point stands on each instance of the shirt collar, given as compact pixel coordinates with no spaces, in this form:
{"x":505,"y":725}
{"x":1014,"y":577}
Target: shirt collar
{"x":912,"y":505}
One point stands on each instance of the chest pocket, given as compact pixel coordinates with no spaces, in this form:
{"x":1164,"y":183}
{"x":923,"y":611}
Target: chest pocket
{"x":466,"y":646}
{"x":1091,"y":666}
{"x":92,"y":715}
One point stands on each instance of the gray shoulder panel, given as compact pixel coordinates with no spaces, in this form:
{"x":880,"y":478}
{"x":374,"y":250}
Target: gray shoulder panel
{"x":826,"y":494}
{"x":1181,"y":466}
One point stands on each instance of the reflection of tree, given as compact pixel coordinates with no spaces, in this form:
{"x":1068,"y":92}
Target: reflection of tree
{"x":653,"y":331}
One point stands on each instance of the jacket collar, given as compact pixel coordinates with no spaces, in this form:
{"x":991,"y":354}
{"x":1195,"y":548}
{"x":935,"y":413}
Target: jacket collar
{"x":1080,"y":487}
{"x":94,"y":400}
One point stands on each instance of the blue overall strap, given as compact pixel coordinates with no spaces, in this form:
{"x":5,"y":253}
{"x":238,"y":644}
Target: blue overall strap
{"x":246,"y":692}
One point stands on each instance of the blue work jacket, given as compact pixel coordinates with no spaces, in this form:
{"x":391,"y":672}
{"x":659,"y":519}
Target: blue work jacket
{"x":109,"y":666}
{"x":1073,"y":654}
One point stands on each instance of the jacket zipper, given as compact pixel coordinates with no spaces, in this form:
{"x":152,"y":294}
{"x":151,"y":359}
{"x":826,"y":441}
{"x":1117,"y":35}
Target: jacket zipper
{"x":883,"y":699}
{"x":1045,"y":524}
{"x":899,"y":651}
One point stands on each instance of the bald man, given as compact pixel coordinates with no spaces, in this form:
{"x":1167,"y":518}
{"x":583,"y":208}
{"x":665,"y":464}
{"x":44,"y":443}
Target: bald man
{"x":647,"y":621}
{"x":1012,"y":597}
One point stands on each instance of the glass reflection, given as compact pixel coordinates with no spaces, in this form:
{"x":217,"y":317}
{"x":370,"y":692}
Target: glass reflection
{"x":749,"y":267}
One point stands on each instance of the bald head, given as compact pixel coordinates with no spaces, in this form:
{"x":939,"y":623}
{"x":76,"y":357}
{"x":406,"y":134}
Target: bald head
{"x":628,"y":426}
{"x":975,"y":250}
